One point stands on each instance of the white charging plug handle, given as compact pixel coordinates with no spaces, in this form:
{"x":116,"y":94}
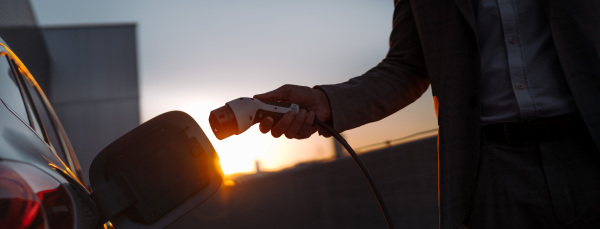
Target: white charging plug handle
{"x":246,"y":110}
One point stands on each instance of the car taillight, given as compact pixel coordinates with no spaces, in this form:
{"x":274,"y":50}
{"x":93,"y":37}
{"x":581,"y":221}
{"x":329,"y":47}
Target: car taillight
{"x":30,"y":198}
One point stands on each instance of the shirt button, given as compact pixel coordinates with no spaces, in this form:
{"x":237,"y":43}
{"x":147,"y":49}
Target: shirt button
{"x":512,"y":40}
{"x":520,"y":86}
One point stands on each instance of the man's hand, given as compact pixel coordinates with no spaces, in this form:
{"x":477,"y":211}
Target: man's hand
{"x":298,"y":125}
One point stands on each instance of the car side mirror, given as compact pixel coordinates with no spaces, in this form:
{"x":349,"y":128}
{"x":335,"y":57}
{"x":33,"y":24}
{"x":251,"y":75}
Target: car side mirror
{"x":155,"y":173}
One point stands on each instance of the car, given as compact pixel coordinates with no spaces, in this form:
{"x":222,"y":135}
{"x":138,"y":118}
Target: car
{"x":148,"y":178}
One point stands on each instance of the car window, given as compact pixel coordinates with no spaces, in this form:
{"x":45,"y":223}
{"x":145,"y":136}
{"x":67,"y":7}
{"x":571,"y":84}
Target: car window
{"x":34,"y":121}
{"x":23,"y":107}
{"x":9,"y":89}
{"x":50,"y":128}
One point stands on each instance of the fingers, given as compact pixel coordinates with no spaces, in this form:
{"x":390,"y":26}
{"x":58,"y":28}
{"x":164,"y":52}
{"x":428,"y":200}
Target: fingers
{"x":266,"y":124}
{"x":308,"y":129}
{"x":291,"y":125}
{"x":296,"y":125}
{"x":283,"y":124}
{"x":279,"y":94}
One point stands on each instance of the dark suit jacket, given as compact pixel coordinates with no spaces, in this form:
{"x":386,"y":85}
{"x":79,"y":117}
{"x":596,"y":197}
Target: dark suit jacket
{"x":434,"y":42}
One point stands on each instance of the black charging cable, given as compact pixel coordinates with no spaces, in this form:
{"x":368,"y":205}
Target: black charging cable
{"x":363,"y":168}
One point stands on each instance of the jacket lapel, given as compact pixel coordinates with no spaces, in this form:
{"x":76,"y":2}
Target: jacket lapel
{"x":466,"y":8}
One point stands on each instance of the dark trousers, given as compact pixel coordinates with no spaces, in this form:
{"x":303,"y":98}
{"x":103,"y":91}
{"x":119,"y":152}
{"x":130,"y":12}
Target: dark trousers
{"x":537,"y":184}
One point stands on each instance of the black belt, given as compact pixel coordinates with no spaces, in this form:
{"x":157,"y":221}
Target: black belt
{"x":544,"y":129}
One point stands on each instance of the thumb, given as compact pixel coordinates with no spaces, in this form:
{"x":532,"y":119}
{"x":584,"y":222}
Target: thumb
{"x":279,"y":94}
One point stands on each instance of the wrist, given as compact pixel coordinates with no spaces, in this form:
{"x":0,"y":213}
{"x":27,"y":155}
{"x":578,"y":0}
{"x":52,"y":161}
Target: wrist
{"x":323,"y":107}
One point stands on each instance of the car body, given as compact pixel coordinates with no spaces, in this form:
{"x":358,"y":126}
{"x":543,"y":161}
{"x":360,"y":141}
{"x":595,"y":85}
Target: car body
{"x":146,"y":179}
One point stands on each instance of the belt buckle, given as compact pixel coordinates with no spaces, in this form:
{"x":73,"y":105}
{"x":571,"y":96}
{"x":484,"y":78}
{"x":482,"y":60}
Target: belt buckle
{"x":507,"y":135}
{"x":527,"y":131}
{"x":511,"y":130}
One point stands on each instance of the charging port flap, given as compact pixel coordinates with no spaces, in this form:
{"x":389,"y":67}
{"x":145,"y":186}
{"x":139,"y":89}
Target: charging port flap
{"x":155,"y":173}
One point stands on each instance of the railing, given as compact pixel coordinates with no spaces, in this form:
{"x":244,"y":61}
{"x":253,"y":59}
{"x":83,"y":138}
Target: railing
{"x":397,"y":141}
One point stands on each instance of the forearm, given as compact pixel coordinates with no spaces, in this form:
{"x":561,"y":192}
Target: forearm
{"x":397,"y":81}
{"x":375,"y":95}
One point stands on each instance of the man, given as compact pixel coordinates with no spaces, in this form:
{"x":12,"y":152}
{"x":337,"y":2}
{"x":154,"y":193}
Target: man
{"x":516,"y":85}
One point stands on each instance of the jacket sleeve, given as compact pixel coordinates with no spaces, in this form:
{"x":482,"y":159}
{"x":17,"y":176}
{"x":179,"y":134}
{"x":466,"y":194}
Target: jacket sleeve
{"x":397,"y":81}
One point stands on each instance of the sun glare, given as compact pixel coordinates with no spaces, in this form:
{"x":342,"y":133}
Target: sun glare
{"x":237,"y":153}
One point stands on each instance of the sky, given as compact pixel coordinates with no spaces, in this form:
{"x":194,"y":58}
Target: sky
{"x":195,"y":56}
